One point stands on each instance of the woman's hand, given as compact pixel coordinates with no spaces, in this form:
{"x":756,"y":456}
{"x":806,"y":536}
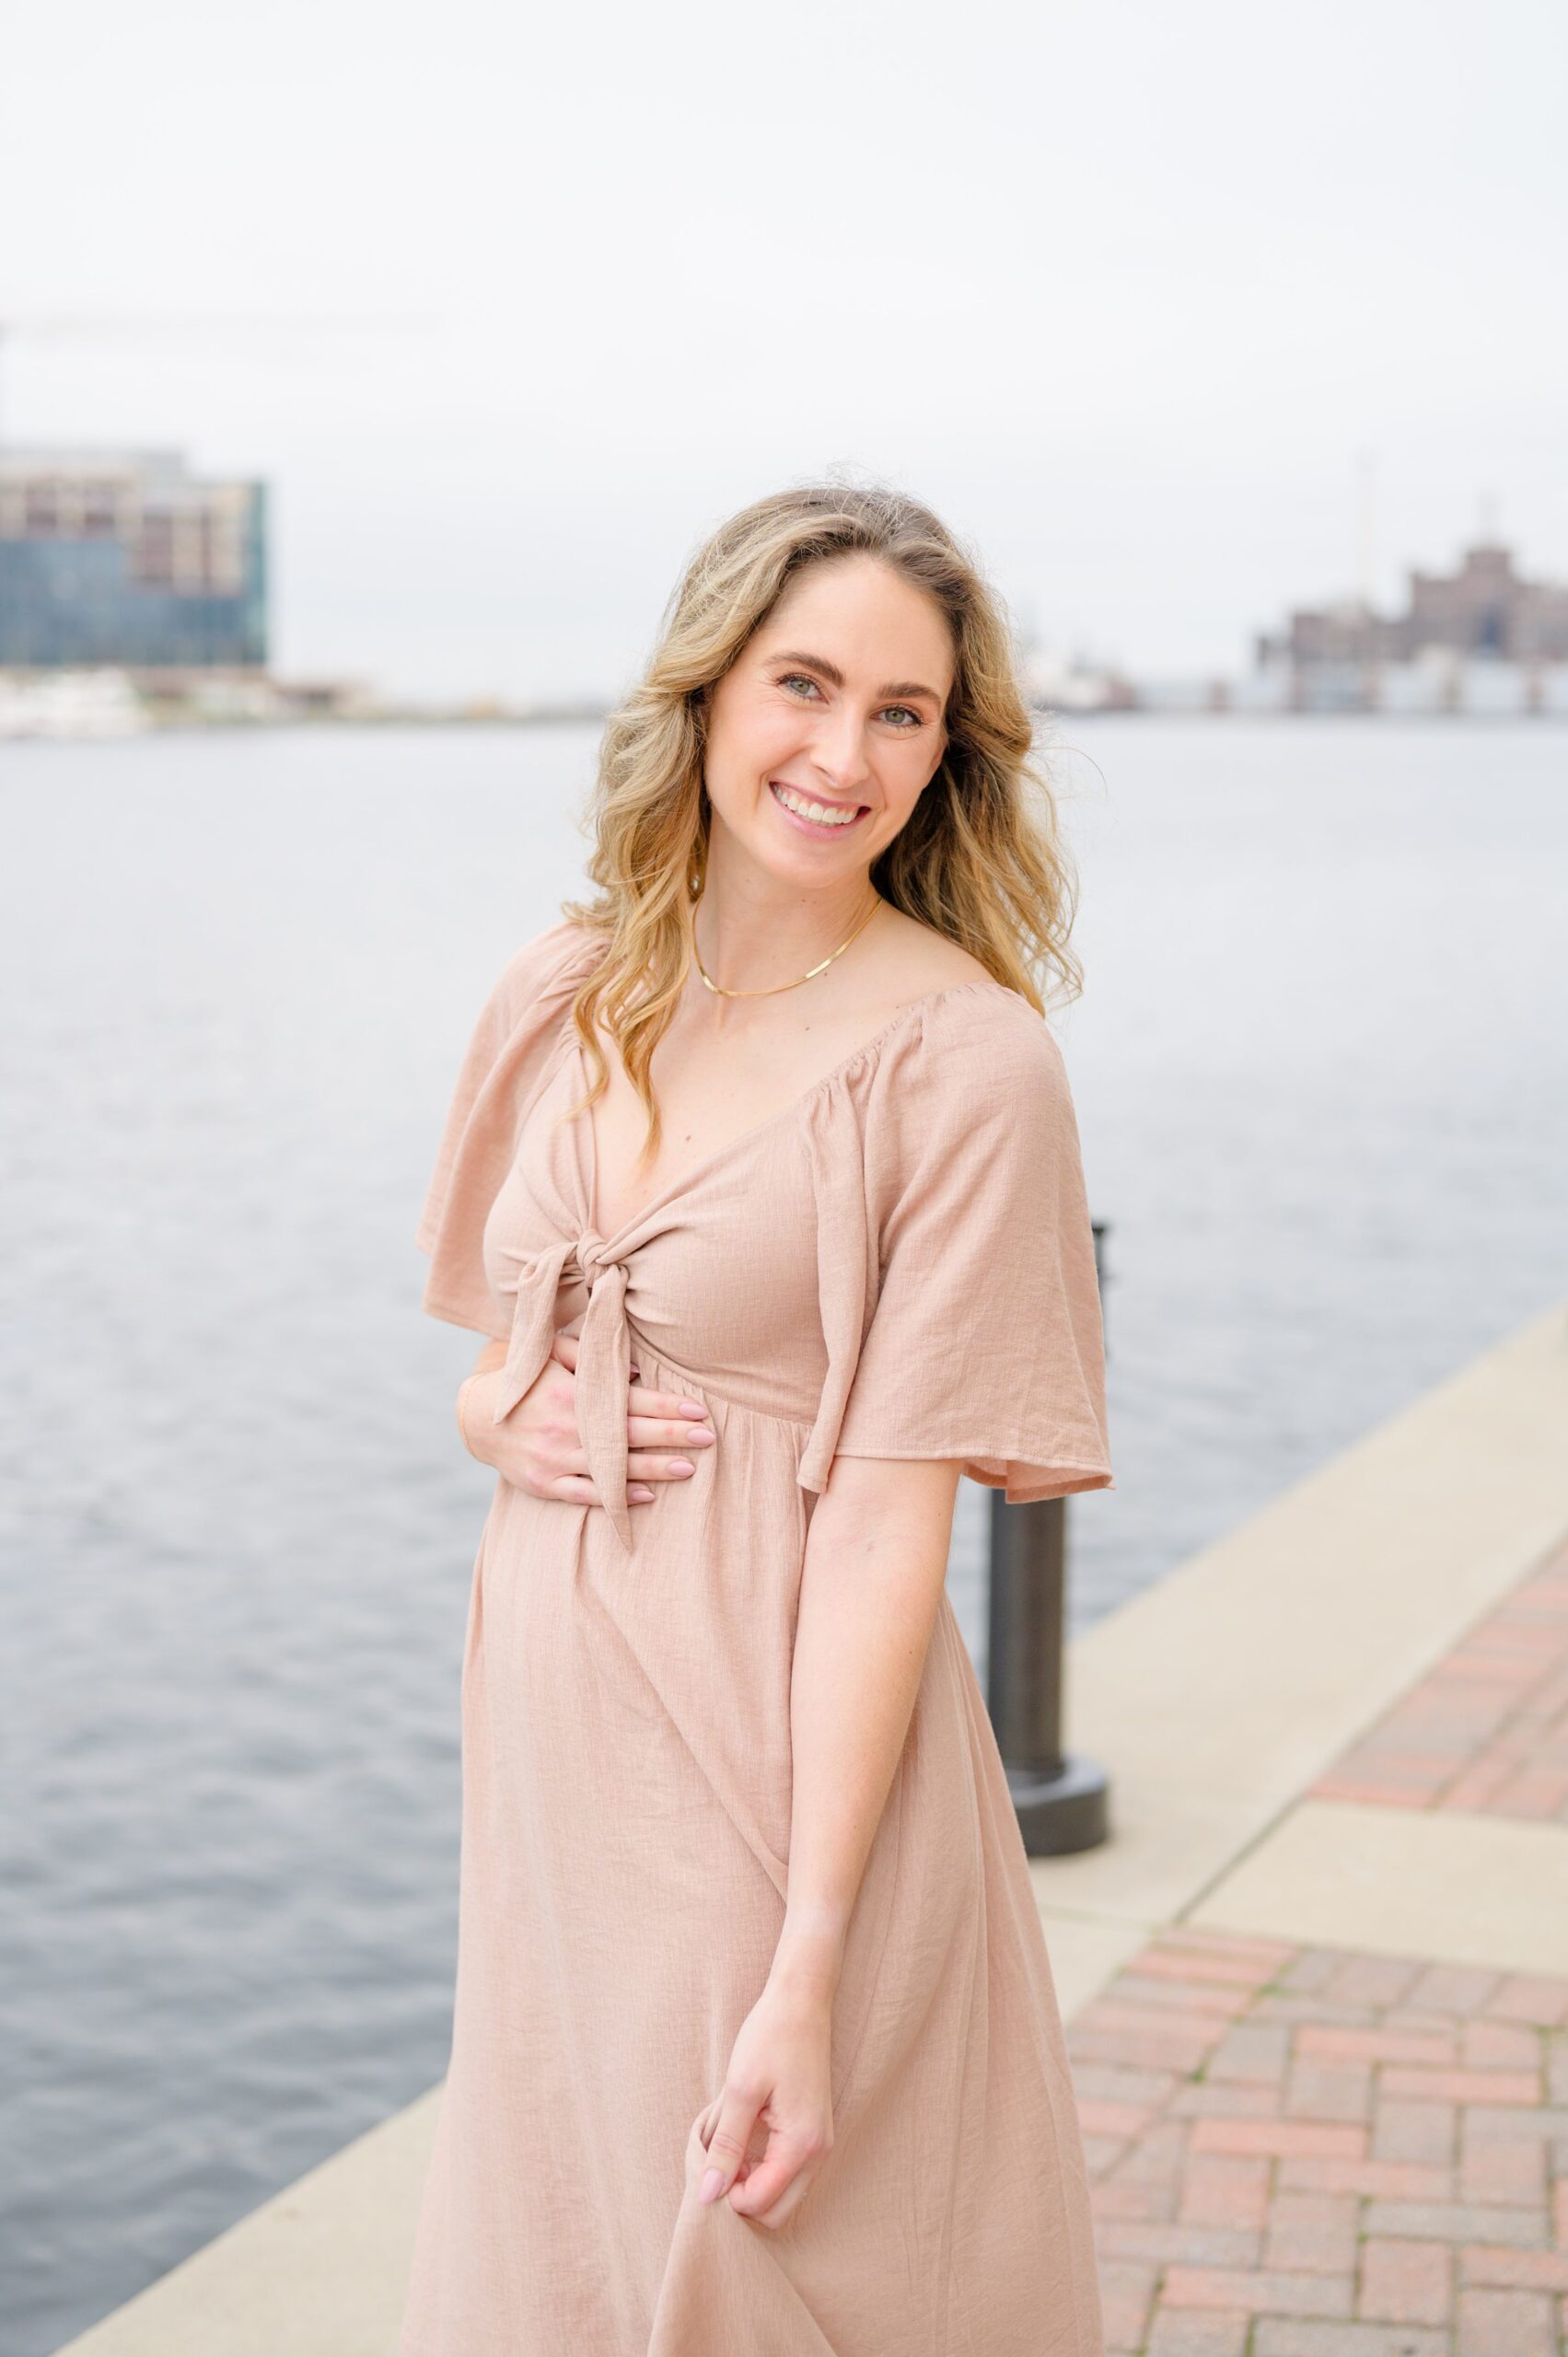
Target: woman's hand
{"x":538,"y":1446}
{"x":779,"y":2083}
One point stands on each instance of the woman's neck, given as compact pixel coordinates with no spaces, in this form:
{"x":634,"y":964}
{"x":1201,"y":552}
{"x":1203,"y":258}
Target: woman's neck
{"x":755,"y":934}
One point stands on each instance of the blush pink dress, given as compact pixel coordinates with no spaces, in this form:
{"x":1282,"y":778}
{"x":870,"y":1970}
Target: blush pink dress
{"x":900,"y":1264}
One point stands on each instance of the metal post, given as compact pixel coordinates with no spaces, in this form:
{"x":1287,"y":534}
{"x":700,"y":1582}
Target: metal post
{"x":1061,"y":1799}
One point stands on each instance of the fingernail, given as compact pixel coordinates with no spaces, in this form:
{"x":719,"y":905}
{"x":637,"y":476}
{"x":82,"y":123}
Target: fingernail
{"x":690,"y":1408}
{"x":699,"y":1437}
{"x":640,"y":1497}
{"x":682,"y":1465}
{"x":710,"y":2185}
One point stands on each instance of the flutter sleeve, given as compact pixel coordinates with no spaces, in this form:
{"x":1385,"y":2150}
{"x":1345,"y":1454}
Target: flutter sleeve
{"x":519,"y":1027}
{"x":985,"y":1340}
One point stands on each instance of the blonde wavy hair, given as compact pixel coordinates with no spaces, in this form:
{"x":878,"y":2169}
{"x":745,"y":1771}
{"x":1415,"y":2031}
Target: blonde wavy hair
{"x":980,"y":859}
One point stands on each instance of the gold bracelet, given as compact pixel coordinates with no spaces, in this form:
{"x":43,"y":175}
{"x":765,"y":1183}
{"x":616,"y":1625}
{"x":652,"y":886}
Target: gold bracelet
{"x":462,"y":1396}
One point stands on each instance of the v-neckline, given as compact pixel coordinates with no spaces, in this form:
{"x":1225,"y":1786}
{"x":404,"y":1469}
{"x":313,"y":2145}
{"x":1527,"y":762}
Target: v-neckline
{"x":710,"y":1162}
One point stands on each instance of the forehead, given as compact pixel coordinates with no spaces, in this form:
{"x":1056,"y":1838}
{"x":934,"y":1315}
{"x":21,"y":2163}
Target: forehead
{"x":865,"y":617}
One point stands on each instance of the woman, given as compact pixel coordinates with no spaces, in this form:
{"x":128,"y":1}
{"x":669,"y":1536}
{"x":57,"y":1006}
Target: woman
{"x":761,"y":1173}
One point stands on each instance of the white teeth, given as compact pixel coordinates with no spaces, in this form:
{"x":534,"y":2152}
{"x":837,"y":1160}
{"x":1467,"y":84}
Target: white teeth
{"x":815,"y":810}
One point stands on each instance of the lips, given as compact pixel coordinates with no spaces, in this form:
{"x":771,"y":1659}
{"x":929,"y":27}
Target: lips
{"x":801,"y":815}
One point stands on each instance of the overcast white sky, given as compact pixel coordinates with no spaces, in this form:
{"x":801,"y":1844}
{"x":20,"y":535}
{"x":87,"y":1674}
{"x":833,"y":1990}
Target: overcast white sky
{"x":509,"y":305}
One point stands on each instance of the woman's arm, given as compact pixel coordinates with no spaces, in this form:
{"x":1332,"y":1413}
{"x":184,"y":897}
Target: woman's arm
{"x":876,"y":1558}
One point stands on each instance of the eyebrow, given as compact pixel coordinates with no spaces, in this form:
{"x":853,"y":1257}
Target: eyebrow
{"x":835,"y":678}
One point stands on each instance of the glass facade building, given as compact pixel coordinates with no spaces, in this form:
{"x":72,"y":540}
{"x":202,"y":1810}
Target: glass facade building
{"x":125,"y":558}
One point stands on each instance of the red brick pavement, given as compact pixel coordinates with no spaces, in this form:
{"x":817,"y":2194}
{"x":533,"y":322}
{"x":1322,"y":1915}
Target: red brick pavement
{"x":1487,"y":1729}
{"x":1314,"y":2152}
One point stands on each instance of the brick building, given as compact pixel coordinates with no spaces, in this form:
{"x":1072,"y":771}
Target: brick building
{"x":1485,"y":609}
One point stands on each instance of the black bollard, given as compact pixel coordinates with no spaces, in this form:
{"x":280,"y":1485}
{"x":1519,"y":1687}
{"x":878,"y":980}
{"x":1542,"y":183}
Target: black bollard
{"x":1063,"y":1800}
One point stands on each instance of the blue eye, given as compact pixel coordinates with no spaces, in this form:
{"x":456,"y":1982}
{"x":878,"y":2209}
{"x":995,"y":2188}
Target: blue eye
{"x":796,"y":680}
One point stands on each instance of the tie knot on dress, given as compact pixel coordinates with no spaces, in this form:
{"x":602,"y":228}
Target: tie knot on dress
{"x":604,"y":1355}
{"x":594,"y":1258}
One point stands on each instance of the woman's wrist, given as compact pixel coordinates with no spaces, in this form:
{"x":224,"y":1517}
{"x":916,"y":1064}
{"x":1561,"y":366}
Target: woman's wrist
{"x":808,"y":1958}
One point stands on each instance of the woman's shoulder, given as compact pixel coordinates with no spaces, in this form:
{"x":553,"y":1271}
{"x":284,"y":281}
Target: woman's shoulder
{"x":953,"y":1005}
{"x":972,"y":1067}
{"x":980,"y":1031}
{"x":913,"y":960}
{"x":545,"y":964}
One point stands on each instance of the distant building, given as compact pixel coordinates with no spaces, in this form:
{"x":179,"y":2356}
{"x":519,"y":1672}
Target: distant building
{"x":1484,"y":611}
{"x":1055,"y":682}
{"x":122,"y":557}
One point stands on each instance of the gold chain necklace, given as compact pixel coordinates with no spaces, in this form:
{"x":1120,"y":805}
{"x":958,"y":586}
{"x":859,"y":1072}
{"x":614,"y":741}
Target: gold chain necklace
{"x":718,"y":988}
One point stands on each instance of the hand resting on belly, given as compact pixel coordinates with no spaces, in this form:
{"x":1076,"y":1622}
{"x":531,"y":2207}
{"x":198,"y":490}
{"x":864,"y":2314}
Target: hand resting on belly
{"x":538,"y":1447}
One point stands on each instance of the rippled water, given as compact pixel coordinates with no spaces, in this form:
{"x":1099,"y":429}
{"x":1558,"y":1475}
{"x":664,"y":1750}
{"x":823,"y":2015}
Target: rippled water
{"x":1323,"y":1077}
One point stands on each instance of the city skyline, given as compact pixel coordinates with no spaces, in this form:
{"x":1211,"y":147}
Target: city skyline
{"x":131,"y":562}
{"x":507,"y":326}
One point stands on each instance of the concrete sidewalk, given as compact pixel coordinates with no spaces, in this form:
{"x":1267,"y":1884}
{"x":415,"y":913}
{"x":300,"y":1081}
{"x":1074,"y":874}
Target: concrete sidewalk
{"x":1317,"y":1983}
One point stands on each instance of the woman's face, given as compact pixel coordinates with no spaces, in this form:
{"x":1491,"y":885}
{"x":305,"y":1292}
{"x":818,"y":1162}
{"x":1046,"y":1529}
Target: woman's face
{"x":834,"y":705}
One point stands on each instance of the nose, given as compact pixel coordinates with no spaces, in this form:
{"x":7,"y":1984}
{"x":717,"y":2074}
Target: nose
{"x":839,"y":751}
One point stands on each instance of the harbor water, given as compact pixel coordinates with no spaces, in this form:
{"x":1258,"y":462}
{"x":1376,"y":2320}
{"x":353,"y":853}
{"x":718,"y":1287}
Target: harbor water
{"x":1321,"y":1073}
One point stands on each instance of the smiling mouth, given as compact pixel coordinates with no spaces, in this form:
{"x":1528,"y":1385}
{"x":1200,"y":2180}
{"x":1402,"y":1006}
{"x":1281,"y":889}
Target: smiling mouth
{"x":822,"y":817}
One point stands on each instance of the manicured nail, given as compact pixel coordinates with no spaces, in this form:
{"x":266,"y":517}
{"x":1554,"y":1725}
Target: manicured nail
{"x":689,"y":1407}
{"x":640,"y":1497}
{"x":710,"y":2185}
{"x":699,"y":1437}
{"x":682,"y":1465}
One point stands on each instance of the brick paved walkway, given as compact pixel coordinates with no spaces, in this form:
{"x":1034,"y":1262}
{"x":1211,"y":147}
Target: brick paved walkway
{"x":1487,"y":1729}
{"x":1311,"y":2152}
{"x":1303,"y":2151}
